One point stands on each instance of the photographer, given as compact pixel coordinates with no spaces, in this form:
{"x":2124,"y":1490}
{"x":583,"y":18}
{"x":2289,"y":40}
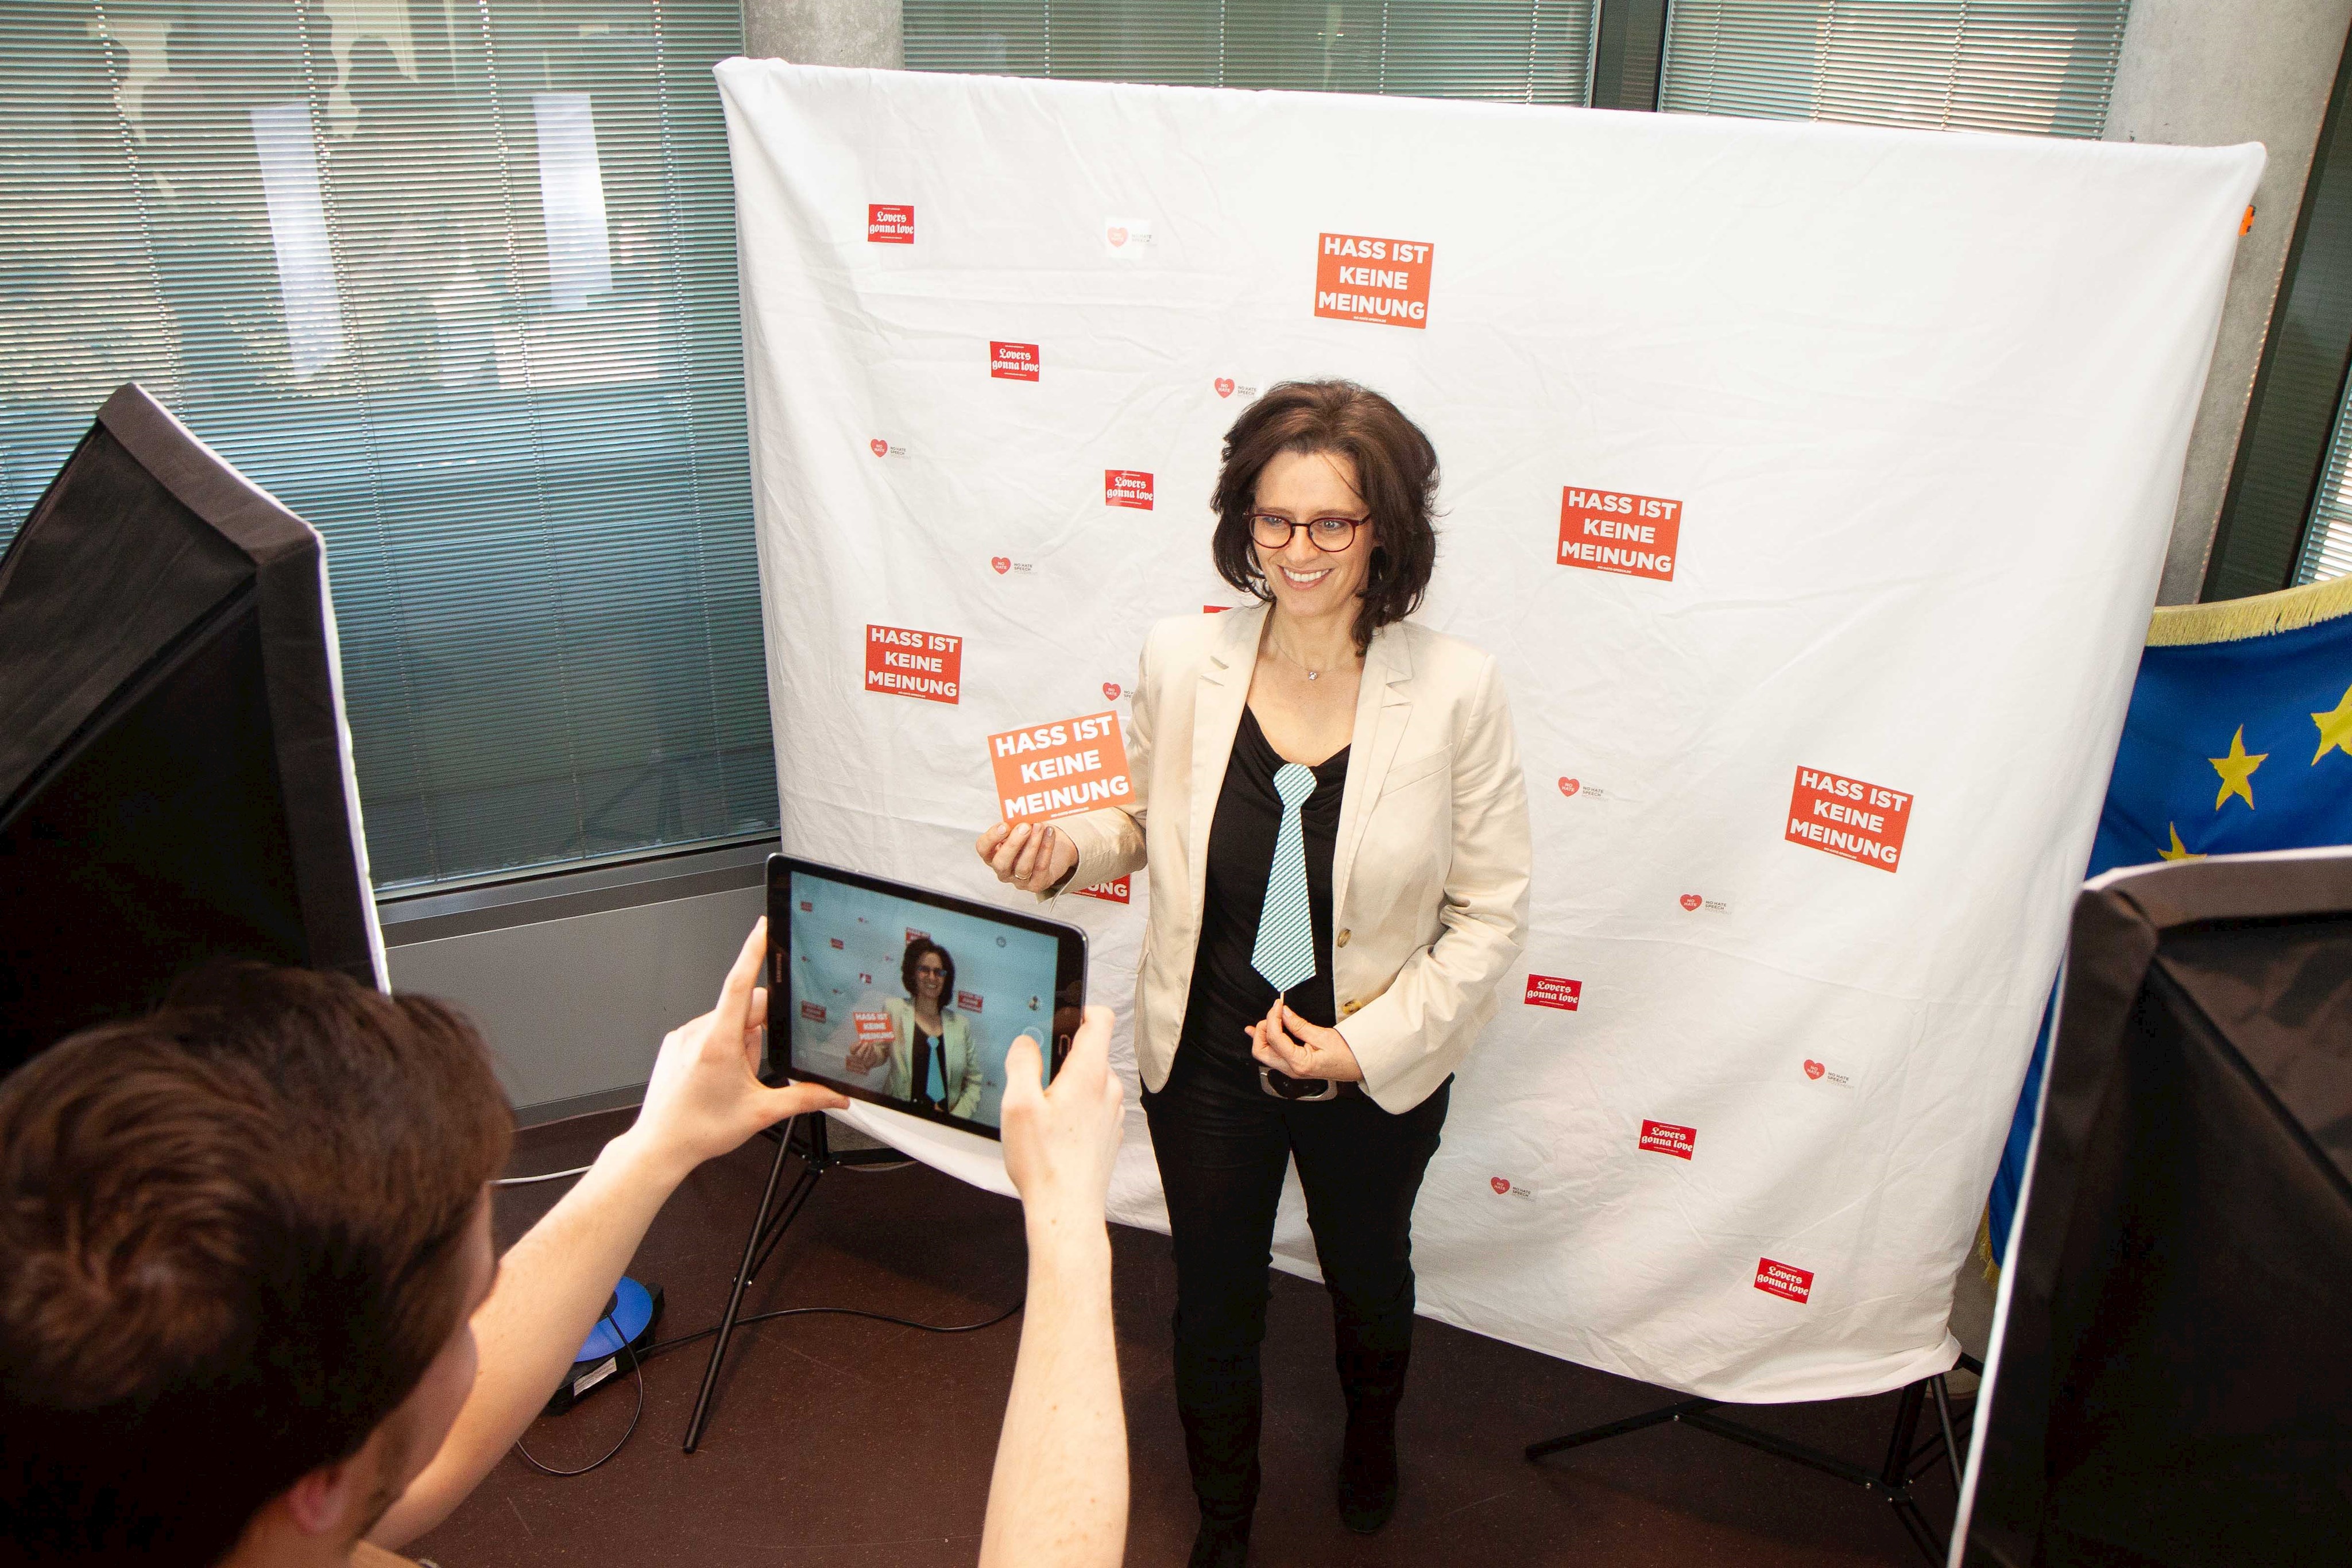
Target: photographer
{"x":249,"y":1310}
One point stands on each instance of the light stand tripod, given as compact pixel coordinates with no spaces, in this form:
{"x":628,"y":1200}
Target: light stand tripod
{"x":1907,"y":1459}
{"x":769,"y":1223}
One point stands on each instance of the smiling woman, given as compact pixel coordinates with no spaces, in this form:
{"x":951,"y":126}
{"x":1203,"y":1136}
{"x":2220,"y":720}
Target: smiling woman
{"x":1363,"y":890}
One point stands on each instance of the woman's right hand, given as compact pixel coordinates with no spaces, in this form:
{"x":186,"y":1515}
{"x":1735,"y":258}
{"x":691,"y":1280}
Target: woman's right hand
{"x":863,"y":1057}
{"x":1033,"y":857}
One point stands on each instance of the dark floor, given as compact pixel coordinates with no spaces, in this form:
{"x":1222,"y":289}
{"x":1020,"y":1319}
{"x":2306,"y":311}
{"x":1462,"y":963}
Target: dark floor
{"x":840,"y":1442}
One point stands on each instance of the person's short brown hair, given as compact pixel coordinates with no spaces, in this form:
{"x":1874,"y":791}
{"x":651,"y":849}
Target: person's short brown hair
{"x":1396,"y":473}
{"x":916,"y":948}
{"x":232,"y":1238}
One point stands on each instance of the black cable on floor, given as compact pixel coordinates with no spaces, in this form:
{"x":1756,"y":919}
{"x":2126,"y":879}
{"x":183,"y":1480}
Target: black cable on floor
{"x":652,"y":1351}
{"x":640,"y":1369}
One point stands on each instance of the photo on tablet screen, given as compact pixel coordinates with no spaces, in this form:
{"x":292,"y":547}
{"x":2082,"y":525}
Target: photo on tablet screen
{"x":914,"y":1004}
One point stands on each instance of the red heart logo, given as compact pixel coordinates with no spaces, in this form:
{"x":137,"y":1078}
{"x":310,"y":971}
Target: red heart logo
{"x":1118,"y":237}
{"x":1691,"y":901}
{"x":1569,"y":786}
{"x":1499,"y":1185}
{"x":881,"y":447}
{"x":1225,"y":386}
{"x":1813,"y":1068}
{"x":1110,"y":690}
{"x":1003,"y":563}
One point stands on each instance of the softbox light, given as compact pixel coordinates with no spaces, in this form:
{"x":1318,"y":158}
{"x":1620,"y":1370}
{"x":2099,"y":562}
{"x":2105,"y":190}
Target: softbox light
{"x":176,"y":780}
{"x":2170,"y":1377}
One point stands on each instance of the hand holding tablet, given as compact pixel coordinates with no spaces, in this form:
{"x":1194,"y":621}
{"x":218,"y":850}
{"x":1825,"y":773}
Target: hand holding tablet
{"x":913,"y":1000}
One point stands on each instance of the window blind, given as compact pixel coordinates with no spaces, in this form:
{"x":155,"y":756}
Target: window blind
{"x":1522,"y":52}
{"x":455,"y":280}
{"x":2327,"y":542}
{"x":2045,"y":66}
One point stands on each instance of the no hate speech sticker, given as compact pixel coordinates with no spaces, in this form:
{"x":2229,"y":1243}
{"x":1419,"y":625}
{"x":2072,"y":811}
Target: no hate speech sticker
{"x":1012,"y":361}
{"x":1359,"y":277}
{"x":909,"y":664}
{"x":1665,"y":1138}
{"x":1052,"y":769}
{"x":1127,"y":487}
{"x":1783,"y":1280}
{"x":1553,"y":992}
{"x":1632,"y":536}
{"x":1849,"y":818}
{"x":889,"y":223}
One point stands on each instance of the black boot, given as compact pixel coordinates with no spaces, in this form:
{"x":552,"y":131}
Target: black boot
{"x":1221,"y":1544}
{"x":1373,"y":1382}
{"x":1368,"y":1467}
{"x":1221,"y":1441}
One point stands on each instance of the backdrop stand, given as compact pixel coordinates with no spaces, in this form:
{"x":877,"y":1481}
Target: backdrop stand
{"x":769,"y":1223}
{"x":1906,"y":1458}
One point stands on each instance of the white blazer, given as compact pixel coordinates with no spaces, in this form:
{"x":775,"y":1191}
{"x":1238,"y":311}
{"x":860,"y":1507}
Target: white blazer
{"x":1429,"y":869}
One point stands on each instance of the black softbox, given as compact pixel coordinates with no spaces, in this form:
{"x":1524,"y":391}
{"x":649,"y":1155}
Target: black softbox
{"x":175,"y":780}
{"x":2170,"y":1379}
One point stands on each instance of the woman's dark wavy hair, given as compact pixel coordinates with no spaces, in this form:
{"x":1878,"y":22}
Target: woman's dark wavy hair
{"x":1396,"y":473}
{"x":915,"y":951}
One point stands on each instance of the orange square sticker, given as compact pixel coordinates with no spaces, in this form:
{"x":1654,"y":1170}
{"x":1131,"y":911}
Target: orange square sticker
{"x":1113,"y":892}
{"x":1360,"y":278}
{"x":889,"y":223}
{"x":1847,"y":817}
{"x":904,"y":662}
{"x":1054,"y":770}
{"x":1605,"y":530}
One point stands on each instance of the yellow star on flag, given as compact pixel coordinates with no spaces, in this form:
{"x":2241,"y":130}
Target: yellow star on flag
{"x":2178,"y":851}
{"x":2334,"y":728}
{"x":2237,"y":771}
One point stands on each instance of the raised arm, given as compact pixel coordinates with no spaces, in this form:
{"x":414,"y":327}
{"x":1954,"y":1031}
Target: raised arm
{"x":705,"y":1099}
{"x":1058,"y":1499}
{"x":1085,"y":848}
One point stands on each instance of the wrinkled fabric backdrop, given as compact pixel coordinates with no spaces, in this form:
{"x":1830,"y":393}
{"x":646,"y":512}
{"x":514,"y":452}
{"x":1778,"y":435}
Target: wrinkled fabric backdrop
{"x":1814,"y":761}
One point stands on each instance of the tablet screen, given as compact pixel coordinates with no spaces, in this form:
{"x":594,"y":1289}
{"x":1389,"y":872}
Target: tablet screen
{"x":896,"y":999}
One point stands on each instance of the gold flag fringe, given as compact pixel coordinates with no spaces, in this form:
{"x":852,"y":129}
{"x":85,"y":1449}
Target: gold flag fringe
{"x":2261,"y":616}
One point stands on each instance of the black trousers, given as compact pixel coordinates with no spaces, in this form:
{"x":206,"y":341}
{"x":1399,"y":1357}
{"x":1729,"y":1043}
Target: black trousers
{"x":1222,"y":1145}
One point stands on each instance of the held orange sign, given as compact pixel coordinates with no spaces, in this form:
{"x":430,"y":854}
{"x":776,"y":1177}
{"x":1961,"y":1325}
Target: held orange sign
{"x":909,"y":664}
{"x":1054,"y":770}
{"x":1361,"y":278}
{"x":1849,"y":818}
{"x":1634,"y":536}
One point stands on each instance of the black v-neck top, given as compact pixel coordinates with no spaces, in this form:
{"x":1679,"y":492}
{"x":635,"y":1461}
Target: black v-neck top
{"x":1229,"y":995}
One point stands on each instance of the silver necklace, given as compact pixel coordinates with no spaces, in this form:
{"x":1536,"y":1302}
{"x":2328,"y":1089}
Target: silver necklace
{"x":1312,"y":674}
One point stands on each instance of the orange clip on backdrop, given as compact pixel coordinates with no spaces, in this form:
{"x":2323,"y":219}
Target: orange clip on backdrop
{"x":1812,"y":484}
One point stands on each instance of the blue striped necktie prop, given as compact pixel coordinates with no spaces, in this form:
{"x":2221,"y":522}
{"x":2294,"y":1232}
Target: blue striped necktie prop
{"x":1285,"y":953}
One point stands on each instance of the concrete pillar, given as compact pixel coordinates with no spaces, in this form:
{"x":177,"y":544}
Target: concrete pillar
{"x":830,"y":32}
{"x":2207,"y":73}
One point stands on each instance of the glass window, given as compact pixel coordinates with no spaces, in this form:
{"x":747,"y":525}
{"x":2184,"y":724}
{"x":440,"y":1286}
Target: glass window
{"x":1520,"y":52}
{"x":2045,"y":66}
{"x":456,"y":283}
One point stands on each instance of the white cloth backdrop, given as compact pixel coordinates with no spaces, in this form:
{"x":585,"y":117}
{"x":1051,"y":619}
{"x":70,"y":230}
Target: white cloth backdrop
{"x":1921,"y":400}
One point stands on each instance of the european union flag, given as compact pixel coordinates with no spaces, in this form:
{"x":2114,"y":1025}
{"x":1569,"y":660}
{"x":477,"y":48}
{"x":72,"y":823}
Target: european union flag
{"x":2239,"y":737}
{"x":2234,"y":746}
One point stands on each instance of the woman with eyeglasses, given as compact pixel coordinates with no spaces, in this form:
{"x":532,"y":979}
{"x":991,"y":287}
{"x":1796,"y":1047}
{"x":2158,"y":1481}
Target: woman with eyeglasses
{"x":931,"y":1062}
{"x":1328,"y":798}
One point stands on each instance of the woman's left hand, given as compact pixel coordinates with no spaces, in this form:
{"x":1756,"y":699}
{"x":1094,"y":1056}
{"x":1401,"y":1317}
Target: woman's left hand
{"x":1290,"y":1044}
